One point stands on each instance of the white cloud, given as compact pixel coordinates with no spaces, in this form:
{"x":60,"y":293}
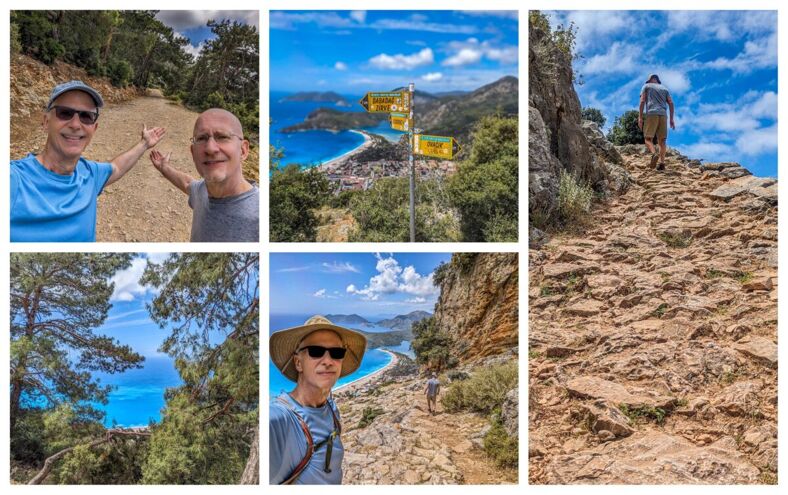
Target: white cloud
{"x":401,"y":61}
{"x":705,"y":149}
{"x":416,"y":300}
{"x":184,"y":19}
{"x":127,"y":282}
{"x":194,"y":50}
{"x":677,"y":82}
{"x":340,"y":66}
{"x":464,"y":57}
{"x":392,"y":279}
{"x":335,"y":267}
{"x":417,"y":23}
{"x":759,"y":54}
{"x":359,"y":16}
{"x":504,"y":55}
{"x":758,"y":141}
{"x":595,"y":27}
{"x":288,"y":20}
{"x":620,"y":58}
{"x":432,"y":76}
{"x":320,"y":293}
{"x":293,"y":269}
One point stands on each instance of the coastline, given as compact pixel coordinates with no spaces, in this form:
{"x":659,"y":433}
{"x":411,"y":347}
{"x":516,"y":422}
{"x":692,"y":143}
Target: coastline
{"x":364,"y":379}
{"x":358,"y":149}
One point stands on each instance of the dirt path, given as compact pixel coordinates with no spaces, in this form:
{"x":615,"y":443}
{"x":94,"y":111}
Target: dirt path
{"x":653,"y":331}
{"x":143,"y":206}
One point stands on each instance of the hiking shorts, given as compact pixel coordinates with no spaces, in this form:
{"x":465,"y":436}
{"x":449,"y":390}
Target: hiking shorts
{"x":655,"y":125}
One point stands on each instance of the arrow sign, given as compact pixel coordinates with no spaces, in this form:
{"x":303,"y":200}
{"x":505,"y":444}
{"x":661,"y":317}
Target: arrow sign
{"x":398,"y":101}
{"x":435,"y":146}
{"x":400,"y":122}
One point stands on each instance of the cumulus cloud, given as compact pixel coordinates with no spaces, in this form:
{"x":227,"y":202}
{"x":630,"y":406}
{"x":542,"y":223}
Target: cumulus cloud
{"x":758,"y":141}
{"x":471,"y":51}
{"x":127,"y":282}
{"x":464,"y":57}
{"x":393,"y":279}
{"x":401,"y":61}
{"x":340,"y":66}
{"x":432,"y":76}
{"x":595,"y":27}
{"x":620,"y":58}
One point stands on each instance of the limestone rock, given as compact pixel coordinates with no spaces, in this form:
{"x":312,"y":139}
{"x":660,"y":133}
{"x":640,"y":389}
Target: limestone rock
{"x":759,"y":348}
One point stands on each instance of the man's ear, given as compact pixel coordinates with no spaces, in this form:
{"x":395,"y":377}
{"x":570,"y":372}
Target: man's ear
{"x":297,"y":362}
{"x":244,"y":149}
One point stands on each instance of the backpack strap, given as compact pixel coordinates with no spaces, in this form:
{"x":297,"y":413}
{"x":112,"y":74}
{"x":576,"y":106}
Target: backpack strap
{"x":310,"y":446}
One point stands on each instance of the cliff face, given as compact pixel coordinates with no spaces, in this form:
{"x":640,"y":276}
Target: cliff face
{"x":558,"y":139}
{"x":478,"y":304}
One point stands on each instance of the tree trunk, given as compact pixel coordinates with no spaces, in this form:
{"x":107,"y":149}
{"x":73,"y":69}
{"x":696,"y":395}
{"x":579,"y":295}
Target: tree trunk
{"x":251,"y":474}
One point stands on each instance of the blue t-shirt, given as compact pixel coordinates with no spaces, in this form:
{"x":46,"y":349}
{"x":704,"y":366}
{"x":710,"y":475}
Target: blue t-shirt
{"x":287,"y":443}
{"x":49,"y":207}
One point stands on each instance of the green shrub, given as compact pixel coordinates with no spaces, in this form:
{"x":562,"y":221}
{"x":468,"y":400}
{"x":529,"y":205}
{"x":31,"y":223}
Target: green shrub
{"x":484,"y":391}
{"x":120,"y":73}
{"x":433,"y":347}
{"x":295,"y":193}
{"x":368,"y":415}
{"x":501,"y":447}
{"x":625,"y":130}
{"x":594,"y":115}
{"x":574,"y":199}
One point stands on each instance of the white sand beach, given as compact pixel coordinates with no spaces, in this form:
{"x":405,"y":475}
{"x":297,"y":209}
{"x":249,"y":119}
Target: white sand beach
{"x":364,"y":379}
{"x":325,"y":166}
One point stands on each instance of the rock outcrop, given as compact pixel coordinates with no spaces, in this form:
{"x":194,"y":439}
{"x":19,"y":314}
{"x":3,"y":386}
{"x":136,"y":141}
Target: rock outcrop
{"x":558,"y":137}
{"x":652,"y":333}
{"x":478,"y":305}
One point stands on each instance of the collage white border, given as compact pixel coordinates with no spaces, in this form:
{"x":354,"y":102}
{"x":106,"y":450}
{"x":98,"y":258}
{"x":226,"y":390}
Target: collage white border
{"x":263,"y":6}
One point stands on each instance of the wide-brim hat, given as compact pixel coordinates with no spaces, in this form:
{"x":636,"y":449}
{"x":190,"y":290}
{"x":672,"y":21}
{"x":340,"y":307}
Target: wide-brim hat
{"x":283,"y":344}
{"x":74,"y":85}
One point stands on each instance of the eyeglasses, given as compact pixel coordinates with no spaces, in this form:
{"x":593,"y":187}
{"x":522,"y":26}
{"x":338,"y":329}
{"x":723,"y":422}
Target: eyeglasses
{"x":67,"y":113}
{"x":219,"y":137}
{"x":318,"y":351}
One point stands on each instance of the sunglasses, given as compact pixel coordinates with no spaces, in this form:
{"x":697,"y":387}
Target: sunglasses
{"x":318,"y":351}
{"x":67,"y":113}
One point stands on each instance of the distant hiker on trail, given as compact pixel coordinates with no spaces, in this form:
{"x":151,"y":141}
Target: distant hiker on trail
{"x":655,"y":99}
{"x":53,"y":194}
{"x":304,"y":442}
{"x":226,"y":206}
{"x":432,"y":390}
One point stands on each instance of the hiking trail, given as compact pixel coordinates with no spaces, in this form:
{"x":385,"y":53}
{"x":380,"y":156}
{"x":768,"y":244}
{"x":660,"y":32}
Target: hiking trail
{"x":404,"y":444}
{"x":652,"y":351}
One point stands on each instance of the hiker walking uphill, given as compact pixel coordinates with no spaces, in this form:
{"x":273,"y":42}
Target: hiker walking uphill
{"x":655,"y":100}
{"x":432,"y":389}
{"x":305,"y":428}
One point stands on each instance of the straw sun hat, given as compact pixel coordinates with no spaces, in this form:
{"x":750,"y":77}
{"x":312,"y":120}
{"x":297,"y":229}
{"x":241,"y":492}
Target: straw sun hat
{"x":284,"y":343}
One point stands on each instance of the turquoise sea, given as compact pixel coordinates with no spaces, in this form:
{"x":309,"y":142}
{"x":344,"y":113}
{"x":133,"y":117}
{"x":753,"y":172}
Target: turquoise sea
{"x":311,"y":148}
{"x":374,"y":359}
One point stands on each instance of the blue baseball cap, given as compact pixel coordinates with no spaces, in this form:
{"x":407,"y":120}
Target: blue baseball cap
{"x":75,"y":86}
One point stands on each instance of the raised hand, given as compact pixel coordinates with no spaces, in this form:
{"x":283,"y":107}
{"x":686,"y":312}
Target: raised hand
{"x":153,"y":135}
{"x":160,"y":160}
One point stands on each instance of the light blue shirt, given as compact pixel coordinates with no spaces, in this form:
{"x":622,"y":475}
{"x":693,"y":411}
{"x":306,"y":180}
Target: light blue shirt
{"x":287,"y":443}
{"x":49,"y":207}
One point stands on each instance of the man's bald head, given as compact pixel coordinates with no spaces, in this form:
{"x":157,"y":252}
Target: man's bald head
{"x":228,"y":118}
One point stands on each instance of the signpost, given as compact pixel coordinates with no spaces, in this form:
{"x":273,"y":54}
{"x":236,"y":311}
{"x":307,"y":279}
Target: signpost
{"x":436,"y":146}
{"x":399,"y":105}
{"x":400,"y":122}
{"x":381,"y":102}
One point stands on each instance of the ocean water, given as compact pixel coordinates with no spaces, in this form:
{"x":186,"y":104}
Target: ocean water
{"x":403,"y":348}
{"x":373,"y":360}
{"x":311,"y":148}
{"x":139,"y":396}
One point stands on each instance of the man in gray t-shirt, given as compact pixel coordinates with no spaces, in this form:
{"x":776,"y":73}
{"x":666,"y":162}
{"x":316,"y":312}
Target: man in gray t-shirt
{"x":655,"y":100}
{"x":226,"y":206}
{"x":432,"y":390}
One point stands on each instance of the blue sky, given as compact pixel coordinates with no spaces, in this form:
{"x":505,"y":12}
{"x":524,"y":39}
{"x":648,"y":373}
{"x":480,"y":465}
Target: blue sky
{"x":720,"y":66}
{"x":368,"y":284}
{"x":192,"y":23}
{"x":359,"y":51}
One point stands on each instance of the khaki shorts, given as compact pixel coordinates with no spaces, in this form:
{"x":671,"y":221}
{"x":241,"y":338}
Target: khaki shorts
{"x":655,"y":125}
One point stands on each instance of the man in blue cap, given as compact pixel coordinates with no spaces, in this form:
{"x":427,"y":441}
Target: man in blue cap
{"x":53,"y":194}
{"x":655,"y":100}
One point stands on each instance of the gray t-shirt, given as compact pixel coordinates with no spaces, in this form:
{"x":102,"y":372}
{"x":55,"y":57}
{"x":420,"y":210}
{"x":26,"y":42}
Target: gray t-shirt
{"x":287,"y":443}
{"x":230,"y":219}
{"x":656,"y":99}
{"x":432,"y":387}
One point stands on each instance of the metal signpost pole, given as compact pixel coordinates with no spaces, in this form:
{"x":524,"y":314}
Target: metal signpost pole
{"x":411,"y":89}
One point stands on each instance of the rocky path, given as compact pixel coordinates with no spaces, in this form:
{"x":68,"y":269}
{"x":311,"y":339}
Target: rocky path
{"x":652,"y":350}
{"x":404,"y":444}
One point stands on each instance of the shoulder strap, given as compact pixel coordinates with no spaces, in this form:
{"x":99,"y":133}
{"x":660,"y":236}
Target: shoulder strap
{"x":310,"y":447}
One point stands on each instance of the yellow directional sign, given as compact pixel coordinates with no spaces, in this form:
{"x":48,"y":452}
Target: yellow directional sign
{"x":436,"y":146}
{"x":397,"y":101}
{"x":400,"y":122}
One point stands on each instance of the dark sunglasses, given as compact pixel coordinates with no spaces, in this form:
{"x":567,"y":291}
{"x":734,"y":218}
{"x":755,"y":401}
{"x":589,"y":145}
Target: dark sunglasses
{"x":67,"y":113}
{"x":318,"y":351}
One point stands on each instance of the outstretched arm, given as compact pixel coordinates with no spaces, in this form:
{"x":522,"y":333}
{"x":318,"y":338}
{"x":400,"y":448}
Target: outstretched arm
{"x":670,"y":106}
{"x":162,"y":163}
{"x":126,"y":160}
